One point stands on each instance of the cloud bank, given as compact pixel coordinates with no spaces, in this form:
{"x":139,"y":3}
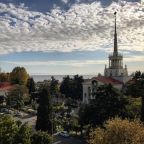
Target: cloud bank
{"x":84,"y":27}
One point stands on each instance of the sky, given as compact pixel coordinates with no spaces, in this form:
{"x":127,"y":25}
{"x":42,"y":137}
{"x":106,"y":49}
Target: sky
{"x":60,"y":37}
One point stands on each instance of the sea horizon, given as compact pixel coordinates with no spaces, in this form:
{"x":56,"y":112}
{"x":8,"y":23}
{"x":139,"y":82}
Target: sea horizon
{"x":42,"y":77}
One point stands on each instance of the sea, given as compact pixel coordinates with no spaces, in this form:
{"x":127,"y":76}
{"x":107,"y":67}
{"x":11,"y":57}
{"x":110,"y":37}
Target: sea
{"x":39,"y":78}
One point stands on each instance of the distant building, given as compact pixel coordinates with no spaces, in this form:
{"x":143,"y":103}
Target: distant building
{"x":5,"y":87}
{"x":115,"y":74}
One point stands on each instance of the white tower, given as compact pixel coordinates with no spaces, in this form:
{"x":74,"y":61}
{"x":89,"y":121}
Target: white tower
{"x":115,"y":68}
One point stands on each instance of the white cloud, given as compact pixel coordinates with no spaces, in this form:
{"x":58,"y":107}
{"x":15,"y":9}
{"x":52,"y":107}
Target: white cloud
{"x":65,"y":1}
{"x":82,"y":27}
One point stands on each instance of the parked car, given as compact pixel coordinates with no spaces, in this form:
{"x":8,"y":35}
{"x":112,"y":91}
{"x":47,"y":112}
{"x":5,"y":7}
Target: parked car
{"x":64,"y":134}
{"x":4,"y":110}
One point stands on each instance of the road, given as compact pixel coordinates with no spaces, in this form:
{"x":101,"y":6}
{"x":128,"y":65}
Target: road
{"x":67,"y":140}
{"x":31,"y":120}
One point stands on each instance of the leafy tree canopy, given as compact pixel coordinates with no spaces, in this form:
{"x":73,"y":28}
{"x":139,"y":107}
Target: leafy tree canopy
{"x":108,"y":103}
{"x":16,"y":97}
{"x":11,"y":132}
{"x":14,"y":132}
{"x":54,"y":88}
{"x":4,"y":77}
{"x":136,"y":89}
{"x":31,"y":85}
{"x":19,"y":75}
{"x":44,"y":115}
{"x":72,"y":87}
{"x":117,"y":131}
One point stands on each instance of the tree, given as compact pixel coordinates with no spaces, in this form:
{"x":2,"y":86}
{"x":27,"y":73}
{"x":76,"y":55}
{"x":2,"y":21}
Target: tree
{"x":31,"y":88}
{"x":117,"y":131}
{"x":136,"y":89}
{"x":23,"y":135}
{"x":31,"y":85}
{"x":54,"y":87}
{"x":44,"y":115}
{"x":16,"y":97}
{"x":19,"y":75}
{"x":8,"y":130}
{"x":12,"y":132}
{"x":72,"y":87}
{"x":78,"y":80}
{"x":40,"y":137}
{"x":133,"y":108}
{"x":108,"y":103}
{"x":4,"y":77}
{"x":64,"y":87}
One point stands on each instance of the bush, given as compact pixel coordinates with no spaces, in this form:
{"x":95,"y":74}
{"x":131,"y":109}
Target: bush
{"x":40,"y":137}
{"x":133,"y":109}
{"x":117,"y":131}
{"x":8,"y":130}
{"x":14,"y":132}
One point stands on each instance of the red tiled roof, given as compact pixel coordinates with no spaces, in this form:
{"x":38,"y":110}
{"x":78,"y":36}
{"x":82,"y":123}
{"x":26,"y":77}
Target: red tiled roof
{"x":5,"y":86}
{"x":108,"y":80}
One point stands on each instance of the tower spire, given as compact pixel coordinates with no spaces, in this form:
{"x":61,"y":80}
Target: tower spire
{"x":115,"y":38}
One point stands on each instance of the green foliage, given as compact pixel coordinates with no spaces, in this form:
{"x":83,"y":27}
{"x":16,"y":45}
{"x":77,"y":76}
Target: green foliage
{"x":136,"y":89}
{"x":14,"y":132}
{"x":71,"y":103}
{"x":4,"y":77}
{"x":19,"y":76}
{"x":133,"y":108}
{"x":117,"y":131}
{"x":54,"y":89}
{"x":44,"y":115}
{"x":40,"y":137}
{"x":31,"y":85}
{"x":72,"y":87}
{"x":23,"y":135}
{"x":17,"y":96}
{"x":108,"y":103}
{"x":8,"y":130}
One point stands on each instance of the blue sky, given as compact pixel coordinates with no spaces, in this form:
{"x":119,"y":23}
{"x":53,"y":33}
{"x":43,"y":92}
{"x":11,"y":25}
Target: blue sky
{"x":69,"y":36}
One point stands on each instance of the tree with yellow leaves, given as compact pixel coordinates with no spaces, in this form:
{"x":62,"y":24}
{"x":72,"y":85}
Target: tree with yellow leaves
{"x":19,"y":76}
{"x":118,"y":131}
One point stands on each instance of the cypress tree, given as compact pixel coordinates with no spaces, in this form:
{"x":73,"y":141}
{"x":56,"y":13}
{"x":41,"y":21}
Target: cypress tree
{"x":44,"y":115}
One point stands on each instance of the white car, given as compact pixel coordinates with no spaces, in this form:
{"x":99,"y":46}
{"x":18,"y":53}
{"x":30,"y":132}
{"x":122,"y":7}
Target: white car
{"x":64,"y":134}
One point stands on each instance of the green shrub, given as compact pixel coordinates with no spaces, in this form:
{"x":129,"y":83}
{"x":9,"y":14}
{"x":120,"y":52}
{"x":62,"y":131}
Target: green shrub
{"x":40,"y":137}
